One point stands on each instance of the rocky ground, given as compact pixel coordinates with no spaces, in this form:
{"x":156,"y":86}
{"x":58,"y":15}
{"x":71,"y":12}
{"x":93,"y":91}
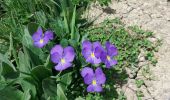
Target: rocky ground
{"x":151,"y":15}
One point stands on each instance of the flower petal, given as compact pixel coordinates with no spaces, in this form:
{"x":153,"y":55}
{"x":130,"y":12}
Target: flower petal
{"x":93,"y":60}
{"x":69,"y":54}
{"x":111,"y":49}
{"x":37,"y":35}
{"x":97,"y":52}
{"x":88,"y":79}
{"x":107,"y":44}
{"x":98,"y":88}
{"x":39,"y":44}
{"x":98,"y":49}
{"x":86,"y":53}
{"x":87,"y":70}
{"x":90,"y":88}
{"x":55,"y":57}
{"x":89,"y":60}
{"x":87,"y":44}
{"x":96,"y":60}
{"x":57,"y":49}
{"x":103,"y":56}
{"x":48,"y":35}
{"x":110,"y":63}
{"x":97,"y":44}
{"x":61,"y":67}
{"x":94,"y":88}
{"x":100,"y":76}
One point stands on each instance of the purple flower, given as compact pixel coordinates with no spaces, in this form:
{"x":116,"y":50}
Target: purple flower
{"x":94,"y":80}
{"x":40,"y":39}
{"x":108,"y":54}
{"x":63,"y":57}
{"x":91,"y":52}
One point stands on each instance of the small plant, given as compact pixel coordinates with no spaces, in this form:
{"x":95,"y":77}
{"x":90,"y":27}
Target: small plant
{"x":139,"y":95}
{"x":139,"y":83}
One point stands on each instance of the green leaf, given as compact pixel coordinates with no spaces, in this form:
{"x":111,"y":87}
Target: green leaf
{"x":72,"y":25}
{"x":79,"y":98}
{"x":4,"y":58}
{"x":27,"y":40}
{"x":66,"y":80}
{"x":28,"y":83}
{"x":60,"y":93}
{"x":76,"y":35}
{"x":32,"y":28}
{"x":84,"y":37}
{"x":66,"y":23}
{"x":64,"y":11}
{"x":35,"y":59}
{"x":73,"y":43}
{"x":50,"y":88}
{"x":40,"y":72}
{"x":48,"y":64}
{"x":10,"y":93}
{"x":24,"y":64}
{"x":58,"y":27}
{"x":26,"y":95}
{"x":64,"y":42}
{"x":13,"y":50}
{"x":8,"y":72}
{"x":40,"y":16}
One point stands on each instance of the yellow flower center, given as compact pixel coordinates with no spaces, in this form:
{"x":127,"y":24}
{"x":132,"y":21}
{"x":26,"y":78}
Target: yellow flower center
{"x":108,"y":58}
{"x":94,"y":82}
{"x":63,"y":61}
{"x":41,"y":41}
{"x":92,"y":55}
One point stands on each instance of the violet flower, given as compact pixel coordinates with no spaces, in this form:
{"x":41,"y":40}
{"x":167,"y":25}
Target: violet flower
{"x":91,"y":52}
{"x":108,"y":54}
{"x":40,"y":39}
{"x":94,"y":80}
{"x":63,"y":57}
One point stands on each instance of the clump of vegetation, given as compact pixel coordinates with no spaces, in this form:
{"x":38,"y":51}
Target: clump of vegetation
{"x":129,"y":41}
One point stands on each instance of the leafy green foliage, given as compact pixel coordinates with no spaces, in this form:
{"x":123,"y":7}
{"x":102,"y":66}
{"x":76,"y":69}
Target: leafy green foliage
{"x":129,"y":42}
{"x":11,"y":94}
{"x":49,"y":88}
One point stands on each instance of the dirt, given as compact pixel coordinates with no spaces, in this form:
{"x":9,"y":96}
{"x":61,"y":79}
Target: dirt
{"x":153,"y":15}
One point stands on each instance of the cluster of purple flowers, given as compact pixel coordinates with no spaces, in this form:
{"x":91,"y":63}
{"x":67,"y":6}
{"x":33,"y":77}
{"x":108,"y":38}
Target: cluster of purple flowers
{"x":62,"y":57}
{"x":94,"y":53}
